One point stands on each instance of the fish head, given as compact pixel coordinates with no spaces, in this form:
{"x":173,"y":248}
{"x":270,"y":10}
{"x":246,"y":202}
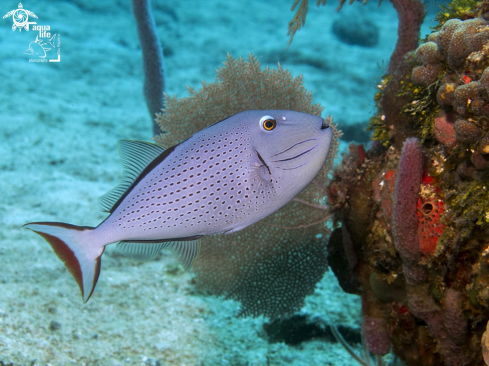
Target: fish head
{"x":292,"y":146}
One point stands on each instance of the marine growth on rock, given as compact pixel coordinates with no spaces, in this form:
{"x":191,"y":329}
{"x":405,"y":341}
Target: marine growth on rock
{"x":414,"y":208}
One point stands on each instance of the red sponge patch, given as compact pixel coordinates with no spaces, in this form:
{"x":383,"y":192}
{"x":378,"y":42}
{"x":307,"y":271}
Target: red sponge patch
{"x":430,"y":228}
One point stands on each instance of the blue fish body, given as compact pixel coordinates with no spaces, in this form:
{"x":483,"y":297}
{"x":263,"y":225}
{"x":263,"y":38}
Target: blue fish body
{"x":221,"y":180}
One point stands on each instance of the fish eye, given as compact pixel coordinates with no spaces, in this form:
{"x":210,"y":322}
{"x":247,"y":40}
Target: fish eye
{"x":268,"y":123}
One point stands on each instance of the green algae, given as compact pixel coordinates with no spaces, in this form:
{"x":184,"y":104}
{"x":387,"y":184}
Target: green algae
{"x":376,"y":122}
{"x":457,"y":9}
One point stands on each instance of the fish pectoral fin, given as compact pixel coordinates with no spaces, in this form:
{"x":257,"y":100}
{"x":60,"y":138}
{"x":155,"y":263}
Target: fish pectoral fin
{"x":185,"y":249}
{"x":135,"y":156}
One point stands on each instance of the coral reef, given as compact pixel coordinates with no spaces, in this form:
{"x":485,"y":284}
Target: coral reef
{"x":414,"y":208}
{"x":271,"y":266}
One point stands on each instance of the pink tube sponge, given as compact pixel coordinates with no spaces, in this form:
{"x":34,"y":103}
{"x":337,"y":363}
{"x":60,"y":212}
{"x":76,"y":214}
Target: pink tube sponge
{"x":375,"y":334}
{"x":404,"y":216}
{"x":453,"y":316}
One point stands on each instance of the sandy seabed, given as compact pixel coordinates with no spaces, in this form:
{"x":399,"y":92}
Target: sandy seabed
{"x":59,"y":123}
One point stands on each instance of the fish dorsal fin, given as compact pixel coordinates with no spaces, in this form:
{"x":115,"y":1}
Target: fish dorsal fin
{"x":135,"y":156}
{"x":184,"y":250}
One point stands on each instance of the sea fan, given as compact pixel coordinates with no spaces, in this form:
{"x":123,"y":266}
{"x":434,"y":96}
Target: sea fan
{"x":272,"y":265}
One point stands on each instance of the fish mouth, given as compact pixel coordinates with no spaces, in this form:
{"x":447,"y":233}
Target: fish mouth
{"x":324,"y":125}
{"x":290,"y":148}
{"x":296,"y":156}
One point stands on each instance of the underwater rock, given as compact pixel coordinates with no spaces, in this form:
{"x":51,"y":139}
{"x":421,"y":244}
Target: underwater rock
{"x":365,"y":32}
{"x":54,"y":325}
{"x":301,"y":328}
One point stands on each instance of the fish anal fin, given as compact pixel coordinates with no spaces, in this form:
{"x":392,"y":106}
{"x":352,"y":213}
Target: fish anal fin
{"x":185,"y":252}
{"x":141,"y":251}
{"x":135,"y":156}
{"x":184,"y":249}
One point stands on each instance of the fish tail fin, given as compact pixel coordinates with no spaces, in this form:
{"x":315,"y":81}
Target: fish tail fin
{"x":77,"y":248}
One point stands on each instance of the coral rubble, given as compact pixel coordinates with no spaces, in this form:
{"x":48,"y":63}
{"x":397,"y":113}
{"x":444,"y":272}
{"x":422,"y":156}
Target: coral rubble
{"x":414,"y":208}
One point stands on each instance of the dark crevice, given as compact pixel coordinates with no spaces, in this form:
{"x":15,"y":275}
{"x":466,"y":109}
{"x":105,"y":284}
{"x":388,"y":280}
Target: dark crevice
{"x":301,"y":328}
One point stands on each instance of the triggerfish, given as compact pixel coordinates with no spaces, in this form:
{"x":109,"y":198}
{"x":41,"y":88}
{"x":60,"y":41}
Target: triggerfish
{"x":220,"y":180}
